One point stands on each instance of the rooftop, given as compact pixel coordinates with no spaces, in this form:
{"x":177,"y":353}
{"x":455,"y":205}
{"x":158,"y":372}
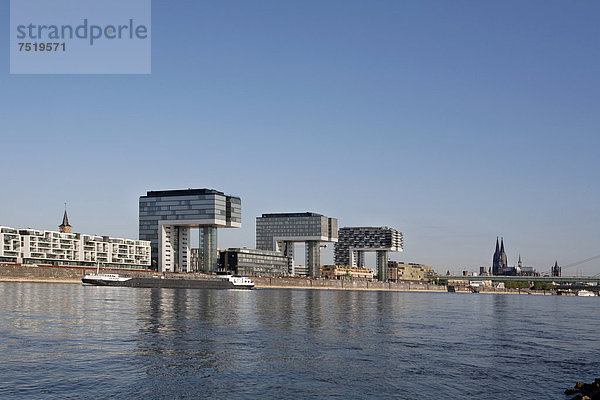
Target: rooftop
{"x":367,"y":228}
{"x":65,"y":221}
{"x":182,"y":192}
{"x":291,"y":215}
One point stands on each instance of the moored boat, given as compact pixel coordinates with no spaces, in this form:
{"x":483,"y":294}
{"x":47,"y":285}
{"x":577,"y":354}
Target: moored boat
{"x":161,"y":281}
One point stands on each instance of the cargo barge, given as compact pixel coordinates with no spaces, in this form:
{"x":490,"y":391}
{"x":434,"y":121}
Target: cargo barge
{"x":160,"y":281}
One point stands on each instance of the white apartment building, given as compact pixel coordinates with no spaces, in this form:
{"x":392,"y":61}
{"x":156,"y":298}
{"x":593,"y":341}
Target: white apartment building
{"x":30,"y":246}
{"x":10,"y":241}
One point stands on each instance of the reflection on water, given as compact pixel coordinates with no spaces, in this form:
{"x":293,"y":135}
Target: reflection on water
{"x":69,"y":341}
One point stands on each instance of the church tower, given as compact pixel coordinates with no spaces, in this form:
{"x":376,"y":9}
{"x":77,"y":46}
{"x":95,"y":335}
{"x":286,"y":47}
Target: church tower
{"x":496,"y":269}
{"x":65,"y":227}
{"x":556,"y":270}
{"x":500,"y":263}
{"x":503,"y":260}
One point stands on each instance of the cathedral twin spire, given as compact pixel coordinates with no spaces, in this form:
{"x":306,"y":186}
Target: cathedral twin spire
{"x":500,"y":263}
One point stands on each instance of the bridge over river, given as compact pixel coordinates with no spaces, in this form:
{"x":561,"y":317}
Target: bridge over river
{"x":550,"y":279}
{"x":544,"y":278}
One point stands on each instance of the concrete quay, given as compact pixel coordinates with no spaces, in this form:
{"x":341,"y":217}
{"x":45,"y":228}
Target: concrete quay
{"x":343,"y":284}
{"x":21,"y":273}
{"x":49,"y":274}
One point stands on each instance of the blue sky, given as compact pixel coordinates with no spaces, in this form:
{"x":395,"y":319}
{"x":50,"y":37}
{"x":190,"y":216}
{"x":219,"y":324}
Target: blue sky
{"x":454,"y":122}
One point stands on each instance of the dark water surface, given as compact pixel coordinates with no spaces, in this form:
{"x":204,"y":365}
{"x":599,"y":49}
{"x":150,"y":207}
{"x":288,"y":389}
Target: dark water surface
{"x":73,"y":342}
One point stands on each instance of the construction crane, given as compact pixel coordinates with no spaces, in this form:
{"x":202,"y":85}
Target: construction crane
{"x":321,"y":247}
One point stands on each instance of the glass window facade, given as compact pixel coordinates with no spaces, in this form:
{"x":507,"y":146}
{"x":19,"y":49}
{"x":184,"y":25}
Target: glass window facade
{"x":253,"y":262}
{"x":354,"y":241}
{"x":189,"y":208}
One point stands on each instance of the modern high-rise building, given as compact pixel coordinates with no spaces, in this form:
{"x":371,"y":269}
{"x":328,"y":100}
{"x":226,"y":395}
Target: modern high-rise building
{"x":355,"y":241}
{"x":279,"y":232}
{"x":167,"y":216}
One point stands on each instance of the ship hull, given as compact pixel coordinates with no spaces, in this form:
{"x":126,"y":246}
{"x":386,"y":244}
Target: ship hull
{"x":167,"y":283}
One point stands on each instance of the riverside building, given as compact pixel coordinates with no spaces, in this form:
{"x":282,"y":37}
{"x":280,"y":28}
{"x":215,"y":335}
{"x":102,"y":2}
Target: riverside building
{"x":253,"y":262}
{"x":355,"y":241}
{"x":167,"y":216}
{"x":11,"y":244}
{"x":399,"y":271}
{"x":279,"y":232}
{"x":300,"y":271}
{"x":195,"y":260}
{"x":342,"y":272}
{"x":31,"y":246}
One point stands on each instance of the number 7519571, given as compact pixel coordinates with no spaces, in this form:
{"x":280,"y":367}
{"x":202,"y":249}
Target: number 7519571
{"x":42,"y":46}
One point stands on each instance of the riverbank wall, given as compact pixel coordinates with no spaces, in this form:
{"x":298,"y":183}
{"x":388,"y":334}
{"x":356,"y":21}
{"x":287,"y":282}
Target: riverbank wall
{"x":47,"y":274}
{"x":50,"y":274}
{"x":13,"y":273}
{"x":344,"y":284}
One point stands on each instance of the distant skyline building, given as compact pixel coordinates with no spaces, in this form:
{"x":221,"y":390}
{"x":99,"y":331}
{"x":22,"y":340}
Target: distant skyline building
{"x":280,"y":231}
{"x":556,"y":269}
{"x":499,"y":262}
{"x":524,"y":270}
{"x":166,"y":217}
{"x":355,"y":241}
{"x":500,"y":265}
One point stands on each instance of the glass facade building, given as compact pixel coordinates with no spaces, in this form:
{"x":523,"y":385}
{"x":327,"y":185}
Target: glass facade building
{"x":253,"y":262}
{"x":354,"y":241}
{"x":278,"y":232}
{"x":166,"y":217}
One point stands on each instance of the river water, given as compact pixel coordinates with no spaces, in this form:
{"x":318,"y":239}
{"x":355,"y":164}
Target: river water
{"x":72,"y":342}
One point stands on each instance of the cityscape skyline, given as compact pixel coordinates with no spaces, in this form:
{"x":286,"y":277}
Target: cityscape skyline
{"x":194,"y":242}
{"x":452,"y":123}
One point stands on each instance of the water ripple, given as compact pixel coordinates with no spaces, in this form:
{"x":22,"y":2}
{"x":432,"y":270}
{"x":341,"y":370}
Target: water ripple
{"x":74,"y":342}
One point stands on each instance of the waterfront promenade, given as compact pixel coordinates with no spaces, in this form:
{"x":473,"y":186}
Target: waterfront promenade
{"x":72,"y":275}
